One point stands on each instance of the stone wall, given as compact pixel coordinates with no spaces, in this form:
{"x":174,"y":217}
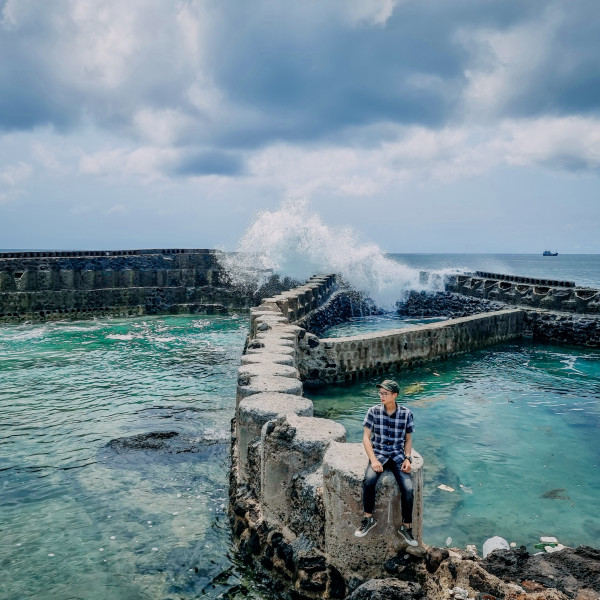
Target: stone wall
{"x":54,"y":285}
{"x":539,"y":324}
{"x":323,"y":361}
{"x":526,"y":291}
{"x":295,"y":484}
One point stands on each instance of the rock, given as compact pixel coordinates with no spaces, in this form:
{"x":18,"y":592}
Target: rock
{"x":472,"y":549}
{"x":566,"y":571}
{"x":169,"y":442}
{"x":494,"y":543}
{"x":434,"y":558}
{"x":459,"y":593}
{"x":387,"y":589}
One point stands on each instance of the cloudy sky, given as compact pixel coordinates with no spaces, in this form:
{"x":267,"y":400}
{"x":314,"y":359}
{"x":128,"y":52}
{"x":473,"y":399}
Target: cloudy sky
{"x":429,"y":126}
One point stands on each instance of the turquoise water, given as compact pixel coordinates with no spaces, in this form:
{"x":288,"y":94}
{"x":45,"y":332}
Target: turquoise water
{"x":81,"y":519}
{"x":376,"y":323}
{"x":514,"y":430}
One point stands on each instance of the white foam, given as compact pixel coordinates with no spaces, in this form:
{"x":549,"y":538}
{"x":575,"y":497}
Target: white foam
{"x":294,"y":242}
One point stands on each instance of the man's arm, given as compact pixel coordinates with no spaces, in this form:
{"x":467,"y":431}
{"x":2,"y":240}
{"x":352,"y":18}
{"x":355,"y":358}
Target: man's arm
{"x":406,"y":465}
{"x":375,"y":464}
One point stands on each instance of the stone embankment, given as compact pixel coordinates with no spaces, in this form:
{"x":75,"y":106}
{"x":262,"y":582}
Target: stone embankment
{"x":526,"y":291}
{"x":342,"y":360}
{"x":58,"y":285}
{"x":295,"y":484}
{"x":538,"y":324}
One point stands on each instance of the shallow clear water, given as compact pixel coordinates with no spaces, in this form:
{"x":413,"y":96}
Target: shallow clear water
{"x":375,"y":323}
{"x":80,"y":519}
{"x":513,"y":429}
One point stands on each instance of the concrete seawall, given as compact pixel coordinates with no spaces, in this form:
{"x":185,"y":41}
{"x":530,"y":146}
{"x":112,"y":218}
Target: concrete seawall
{"x":547,"y":294}
{"x":296,"y":483}
{"x":55,"y":285}
{"x":339,"y":360}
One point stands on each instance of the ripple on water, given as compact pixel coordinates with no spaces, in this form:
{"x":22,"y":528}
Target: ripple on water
{"x":81,"y":520}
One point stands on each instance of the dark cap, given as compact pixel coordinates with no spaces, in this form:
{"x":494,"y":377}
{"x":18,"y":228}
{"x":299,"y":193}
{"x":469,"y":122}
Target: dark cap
{"x":390,"y":385}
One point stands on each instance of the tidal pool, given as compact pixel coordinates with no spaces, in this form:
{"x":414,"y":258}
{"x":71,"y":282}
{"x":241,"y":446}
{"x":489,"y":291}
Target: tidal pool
{"x":139,"y":518}
{"x":513,"y":430}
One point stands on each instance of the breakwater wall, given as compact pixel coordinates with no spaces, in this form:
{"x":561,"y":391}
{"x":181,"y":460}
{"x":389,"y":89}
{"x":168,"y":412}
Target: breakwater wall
{"x":541,"y":325}
{"x":347,"y":359}
{"x":295,"y":486}
{"x":546,"y":294}
{"x":55,"y":285}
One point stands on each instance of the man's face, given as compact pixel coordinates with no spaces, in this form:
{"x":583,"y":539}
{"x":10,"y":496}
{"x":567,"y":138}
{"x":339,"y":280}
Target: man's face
{"x":387,"y":397}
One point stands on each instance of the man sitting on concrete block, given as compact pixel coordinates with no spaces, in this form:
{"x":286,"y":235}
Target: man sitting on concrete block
{"x":387,"y":439}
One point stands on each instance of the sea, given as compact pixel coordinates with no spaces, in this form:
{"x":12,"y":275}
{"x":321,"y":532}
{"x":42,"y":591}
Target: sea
{"x":114,"y":446}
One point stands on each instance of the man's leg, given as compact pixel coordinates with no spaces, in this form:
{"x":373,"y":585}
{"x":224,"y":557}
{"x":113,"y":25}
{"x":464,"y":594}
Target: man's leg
{"x":407,"y":498}
{"x":369,"y":485}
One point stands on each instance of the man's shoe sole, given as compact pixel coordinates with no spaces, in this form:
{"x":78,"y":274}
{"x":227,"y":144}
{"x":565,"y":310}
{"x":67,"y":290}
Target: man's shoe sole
{"x":358,"y":533}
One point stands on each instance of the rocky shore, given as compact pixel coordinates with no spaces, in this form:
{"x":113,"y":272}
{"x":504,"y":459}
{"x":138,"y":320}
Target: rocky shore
{"x":444,"y":574}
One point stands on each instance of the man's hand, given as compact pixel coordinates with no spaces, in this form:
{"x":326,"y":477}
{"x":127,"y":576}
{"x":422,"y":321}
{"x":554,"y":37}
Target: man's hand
{"x":376,"y":466}
{"x":406,"y":466}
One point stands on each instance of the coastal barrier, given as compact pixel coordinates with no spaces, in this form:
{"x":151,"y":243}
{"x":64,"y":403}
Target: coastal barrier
{"x":57,"y":285}
{"x":546,"y":294}
{"x":295,"y":487}
{"x":348,"y":359}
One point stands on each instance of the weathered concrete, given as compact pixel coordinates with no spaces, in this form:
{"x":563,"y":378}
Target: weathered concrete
{"x":59,"y":285}
{"x":535,"y":293}
{"x":253,"y":413}
{"x":347,"y":359}
{"x":282,"y":514}
{"x":343,"y":472}
{"x":290,"y":446}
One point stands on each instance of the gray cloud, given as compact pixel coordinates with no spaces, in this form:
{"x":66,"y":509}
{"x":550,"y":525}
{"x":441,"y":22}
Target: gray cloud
{"x":245,"y":75}
{"x":200,"y":163}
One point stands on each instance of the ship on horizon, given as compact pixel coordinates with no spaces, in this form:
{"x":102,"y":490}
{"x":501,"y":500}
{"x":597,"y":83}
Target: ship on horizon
{"x":549,"y":253}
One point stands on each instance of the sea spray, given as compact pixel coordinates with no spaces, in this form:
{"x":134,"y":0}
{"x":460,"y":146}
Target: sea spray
{"x":294,"y":242}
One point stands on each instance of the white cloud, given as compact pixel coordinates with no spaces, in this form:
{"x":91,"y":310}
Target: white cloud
{"x":14,"y":175}
{"x":145,"y":164}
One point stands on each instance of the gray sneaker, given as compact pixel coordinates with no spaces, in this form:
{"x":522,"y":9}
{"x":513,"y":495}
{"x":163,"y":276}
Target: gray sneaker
{"x":407,"y":534}
{"x":365,"y":526}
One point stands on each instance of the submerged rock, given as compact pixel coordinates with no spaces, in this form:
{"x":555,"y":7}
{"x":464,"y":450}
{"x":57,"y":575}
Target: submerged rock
{"x":169,"y":442}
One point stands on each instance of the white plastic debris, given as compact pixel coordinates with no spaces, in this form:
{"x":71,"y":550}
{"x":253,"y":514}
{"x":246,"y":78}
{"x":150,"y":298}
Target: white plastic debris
{"x":548,"y":540}
{"x":494,"y":543}
{"x":448,"y":541}
{"x":445,"y":488}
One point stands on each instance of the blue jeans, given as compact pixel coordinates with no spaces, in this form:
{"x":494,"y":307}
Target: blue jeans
{"x":405,"y":484}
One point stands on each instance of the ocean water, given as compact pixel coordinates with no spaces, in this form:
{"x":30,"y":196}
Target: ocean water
{"x":513,"y":430}
{"x":80,"y":518}
{"x":583,"y":269}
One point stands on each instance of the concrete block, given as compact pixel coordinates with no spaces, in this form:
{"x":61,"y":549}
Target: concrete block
{"x":290,"y":446}
{"x":343,"y":472}
{"x":253,"y":413}
{"x":245,"y":372}
{"x":267,"y":357}
{"x":268,"y":383}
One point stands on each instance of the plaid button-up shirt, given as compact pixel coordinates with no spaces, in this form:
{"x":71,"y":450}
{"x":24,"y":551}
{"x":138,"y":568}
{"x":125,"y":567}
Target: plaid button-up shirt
{"x":389,"y":431}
